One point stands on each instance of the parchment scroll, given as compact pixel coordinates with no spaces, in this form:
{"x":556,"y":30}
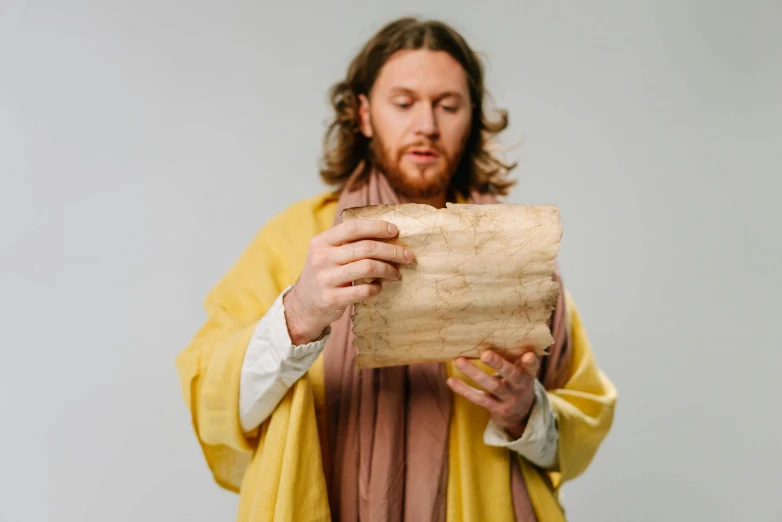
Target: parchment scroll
{"x":482,"y":279}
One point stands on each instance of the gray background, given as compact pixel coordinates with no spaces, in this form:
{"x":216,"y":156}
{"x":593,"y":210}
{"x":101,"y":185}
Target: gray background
{"x":143,"y":144}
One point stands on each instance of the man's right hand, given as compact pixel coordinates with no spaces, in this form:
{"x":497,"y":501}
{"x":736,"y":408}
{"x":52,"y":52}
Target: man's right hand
{"x":336,"y":258}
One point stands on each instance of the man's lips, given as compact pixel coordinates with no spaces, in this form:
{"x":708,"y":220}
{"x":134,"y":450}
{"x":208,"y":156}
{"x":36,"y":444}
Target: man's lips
{"x":423,"y":154}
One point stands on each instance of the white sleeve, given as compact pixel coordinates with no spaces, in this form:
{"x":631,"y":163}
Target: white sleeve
{"x":538,"y":444}
{"x":272,"y":364}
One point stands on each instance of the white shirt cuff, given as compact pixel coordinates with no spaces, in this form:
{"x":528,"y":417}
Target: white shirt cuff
{"x":538,"y":444}
{"x":272,"y":364}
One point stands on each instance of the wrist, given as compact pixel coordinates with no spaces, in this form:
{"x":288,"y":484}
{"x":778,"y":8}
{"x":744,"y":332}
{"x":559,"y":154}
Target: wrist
{"x":516,"y":431}
{"x":301,"y":328}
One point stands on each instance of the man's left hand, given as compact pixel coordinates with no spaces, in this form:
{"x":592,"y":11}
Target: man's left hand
{"x":508,"y":395}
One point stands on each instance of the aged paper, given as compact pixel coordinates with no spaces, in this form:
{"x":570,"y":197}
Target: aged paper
{"x":482,"y":279}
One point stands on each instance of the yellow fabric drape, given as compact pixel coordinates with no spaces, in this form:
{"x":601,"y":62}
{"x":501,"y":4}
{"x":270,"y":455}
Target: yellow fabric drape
{"x":277,"y":469}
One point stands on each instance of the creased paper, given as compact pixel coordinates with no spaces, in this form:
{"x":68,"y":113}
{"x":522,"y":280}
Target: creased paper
{"x":482,"y":279}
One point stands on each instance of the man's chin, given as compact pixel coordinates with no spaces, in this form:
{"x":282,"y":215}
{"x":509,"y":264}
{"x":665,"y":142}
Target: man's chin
{"x":416,"y":185}
{"x":418,"y":190}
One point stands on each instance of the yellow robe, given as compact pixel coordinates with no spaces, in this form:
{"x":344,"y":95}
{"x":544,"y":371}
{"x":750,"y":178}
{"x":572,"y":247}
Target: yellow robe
{"x":277,"y":469}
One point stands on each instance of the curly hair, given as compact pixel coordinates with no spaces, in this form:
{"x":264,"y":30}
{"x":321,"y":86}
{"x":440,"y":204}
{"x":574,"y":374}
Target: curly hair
{"x":346,"y":148}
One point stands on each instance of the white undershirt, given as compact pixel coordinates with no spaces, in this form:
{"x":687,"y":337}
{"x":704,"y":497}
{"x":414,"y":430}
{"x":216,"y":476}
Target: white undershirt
{"x":272,"y":364}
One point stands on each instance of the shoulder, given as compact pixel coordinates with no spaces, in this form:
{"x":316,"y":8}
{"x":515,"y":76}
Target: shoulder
{"x":274,"y":258}
{"x":303,"y":218}
{"x":284,"y":239}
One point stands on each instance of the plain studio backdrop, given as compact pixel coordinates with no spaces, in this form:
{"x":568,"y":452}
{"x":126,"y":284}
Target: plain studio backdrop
{"x":143,"y":144}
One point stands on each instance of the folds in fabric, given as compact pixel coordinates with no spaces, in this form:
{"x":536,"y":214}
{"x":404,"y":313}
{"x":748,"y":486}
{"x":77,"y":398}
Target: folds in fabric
{"x":279,"y":470}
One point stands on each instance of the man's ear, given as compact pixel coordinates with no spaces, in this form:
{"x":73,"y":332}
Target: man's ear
{"x":364,"y":120}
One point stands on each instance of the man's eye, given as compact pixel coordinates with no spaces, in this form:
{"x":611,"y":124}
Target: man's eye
{"x":450,"y":108}
{"x":403,"y":105}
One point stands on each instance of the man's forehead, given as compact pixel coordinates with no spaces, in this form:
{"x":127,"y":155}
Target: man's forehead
{"x":433,"y":73}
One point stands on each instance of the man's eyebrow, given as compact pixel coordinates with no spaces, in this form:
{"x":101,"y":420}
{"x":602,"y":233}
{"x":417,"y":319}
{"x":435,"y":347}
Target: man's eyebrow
{"x":410,"y":92}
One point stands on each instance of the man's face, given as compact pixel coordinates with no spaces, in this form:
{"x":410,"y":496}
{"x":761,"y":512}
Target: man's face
{"x":418,"y":116}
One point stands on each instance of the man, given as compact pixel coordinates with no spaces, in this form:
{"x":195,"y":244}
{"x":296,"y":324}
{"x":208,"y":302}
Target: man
{"x":281,"y":412}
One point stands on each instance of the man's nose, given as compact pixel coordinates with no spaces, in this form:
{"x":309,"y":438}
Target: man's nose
{"x":426,"y":122}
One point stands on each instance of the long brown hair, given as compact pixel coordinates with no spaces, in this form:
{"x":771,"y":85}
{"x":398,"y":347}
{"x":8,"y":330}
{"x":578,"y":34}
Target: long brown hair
{"x":346,"y":148}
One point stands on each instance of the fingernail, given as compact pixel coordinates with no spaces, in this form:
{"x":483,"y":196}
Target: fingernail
{"x":391,"y":228}
{"x":408,"y":255}
{"x":486,"y":357}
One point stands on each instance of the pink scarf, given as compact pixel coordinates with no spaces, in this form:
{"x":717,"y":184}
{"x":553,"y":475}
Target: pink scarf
{"x":387,"y":451}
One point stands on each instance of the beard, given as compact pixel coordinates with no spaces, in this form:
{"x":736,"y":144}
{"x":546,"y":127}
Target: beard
{"x":412,"y":181}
